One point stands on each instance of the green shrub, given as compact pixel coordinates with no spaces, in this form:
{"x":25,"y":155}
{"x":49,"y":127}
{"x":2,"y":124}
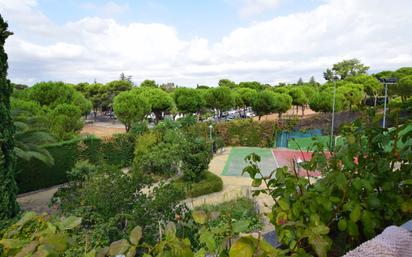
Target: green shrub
{"x":245,"y":132}
{"x":33,"y":174}
{"x":81,"y":170}
{"x":196,"y":159}
{"x":242,"y":210}
{"x":210,"y":184}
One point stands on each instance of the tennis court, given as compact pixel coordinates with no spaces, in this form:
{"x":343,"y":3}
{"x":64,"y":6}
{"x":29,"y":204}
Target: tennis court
{"x":307,"y":142}
{"x":287,"y":157}
{"x":271,"y":159}
{"x":236,"y":161}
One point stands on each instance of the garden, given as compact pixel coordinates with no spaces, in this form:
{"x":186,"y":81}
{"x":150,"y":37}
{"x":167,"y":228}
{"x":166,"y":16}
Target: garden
{"x":125,"y":195}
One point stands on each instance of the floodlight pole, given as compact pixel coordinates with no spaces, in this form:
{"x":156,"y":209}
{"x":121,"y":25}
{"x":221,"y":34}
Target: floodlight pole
{"x":333,"y":113}
{"x":386,"y":82}
{"x":384,"y":104}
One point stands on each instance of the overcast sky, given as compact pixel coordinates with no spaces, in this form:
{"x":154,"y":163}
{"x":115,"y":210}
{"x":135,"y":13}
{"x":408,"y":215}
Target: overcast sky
{"x":199,"y":42}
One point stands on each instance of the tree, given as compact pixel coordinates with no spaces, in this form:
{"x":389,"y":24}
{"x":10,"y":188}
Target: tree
{"x":52,"y":93}
{"x":309,"y":91}
{"x":112,"y":89}
{"x":65,"y":121}
{"x":130,"y":108}
{"x":159,"y":100}
{"x":298,"y":98}
{"x":283,"y":102}
{"x":220,"y":99}
{"x":253,"y":85}
{"x":323,"y":102}
{"x":168,"y":87}
{"x":352,"y":93}
{"x":300,"y":82}
{"x":264,"y":103}
{"x":188,"y":100}
{"x":95,"y":94}
{"x":149,"y":83}
{"x":403,"y":72}
{"x":80,"y":101}
{"x":125,"y":77}
{"x":227,"y":83}
{"x":8,"y":187}
{"x":312,"y":81}
{"x":346,"y":68}
{"x":404,"y":87}
{"x":196,"y":160}
{"x":247,"y":95}
{"x":371,"y":85}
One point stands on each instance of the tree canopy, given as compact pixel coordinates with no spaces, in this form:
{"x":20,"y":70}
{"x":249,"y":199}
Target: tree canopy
{"x":188,"y":100}
{"x":346,"y":68}
{"x":130,"y":107}
{"x":265,"y":103}
{"x":159,"y":100}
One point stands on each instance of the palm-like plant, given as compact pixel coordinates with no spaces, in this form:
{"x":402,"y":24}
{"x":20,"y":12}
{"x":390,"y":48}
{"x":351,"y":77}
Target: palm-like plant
{"x":30,"y":138}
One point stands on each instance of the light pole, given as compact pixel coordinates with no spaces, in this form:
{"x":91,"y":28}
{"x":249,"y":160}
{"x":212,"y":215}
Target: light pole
{"x":386,"y":82}
{"x":210,"y":136}
{"x":333,"y":112}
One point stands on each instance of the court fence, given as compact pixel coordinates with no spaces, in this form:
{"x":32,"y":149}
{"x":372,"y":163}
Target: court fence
{"x":283,"y":137}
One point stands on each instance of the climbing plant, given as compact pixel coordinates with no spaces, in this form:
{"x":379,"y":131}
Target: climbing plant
{"x":8,"y":188}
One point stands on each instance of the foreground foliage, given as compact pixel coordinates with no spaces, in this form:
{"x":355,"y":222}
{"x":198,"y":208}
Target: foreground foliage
{"x":366,"y":185}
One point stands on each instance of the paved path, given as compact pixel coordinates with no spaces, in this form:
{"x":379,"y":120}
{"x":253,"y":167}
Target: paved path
{"x":37,"y":201}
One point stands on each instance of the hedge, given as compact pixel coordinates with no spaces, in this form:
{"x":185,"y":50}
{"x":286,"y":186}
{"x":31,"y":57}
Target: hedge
{"x":210,"y":184}
{"x":245,"y":132}
{"x":33,"y":174}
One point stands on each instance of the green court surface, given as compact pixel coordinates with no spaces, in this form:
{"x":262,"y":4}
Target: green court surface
{"x":307,"y":142}
{"x":236,"y":161}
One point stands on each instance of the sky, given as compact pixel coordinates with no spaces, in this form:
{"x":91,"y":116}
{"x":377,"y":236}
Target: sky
{"x":203,"y":41}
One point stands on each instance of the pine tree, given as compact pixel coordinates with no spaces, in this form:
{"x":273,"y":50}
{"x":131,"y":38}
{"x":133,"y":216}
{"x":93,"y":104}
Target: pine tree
{"x":8,"y":187}
{"x":312,"y":80}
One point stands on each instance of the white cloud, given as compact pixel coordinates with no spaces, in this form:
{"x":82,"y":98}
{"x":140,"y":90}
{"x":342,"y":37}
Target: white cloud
{"x":281,"y":49}
{"x":254,"y":7}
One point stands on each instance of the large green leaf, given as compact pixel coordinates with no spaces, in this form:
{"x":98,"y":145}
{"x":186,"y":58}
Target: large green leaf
{"x":207,"y":238}
{"x":136,"y":235}
{"x":356,"y":213}
{"x":243,"y":247}
{"x":70,"y":223}
{"x":320,"y":244}
{"x":199,"y":217}
{"x":118,"y":247}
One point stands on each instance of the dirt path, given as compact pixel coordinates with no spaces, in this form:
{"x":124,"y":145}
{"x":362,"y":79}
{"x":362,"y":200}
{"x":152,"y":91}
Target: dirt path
{"x":103,"y":129}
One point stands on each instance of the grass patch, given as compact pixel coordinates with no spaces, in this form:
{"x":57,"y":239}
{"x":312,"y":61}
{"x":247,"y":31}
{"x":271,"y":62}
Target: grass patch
{"x":211,"y":184}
